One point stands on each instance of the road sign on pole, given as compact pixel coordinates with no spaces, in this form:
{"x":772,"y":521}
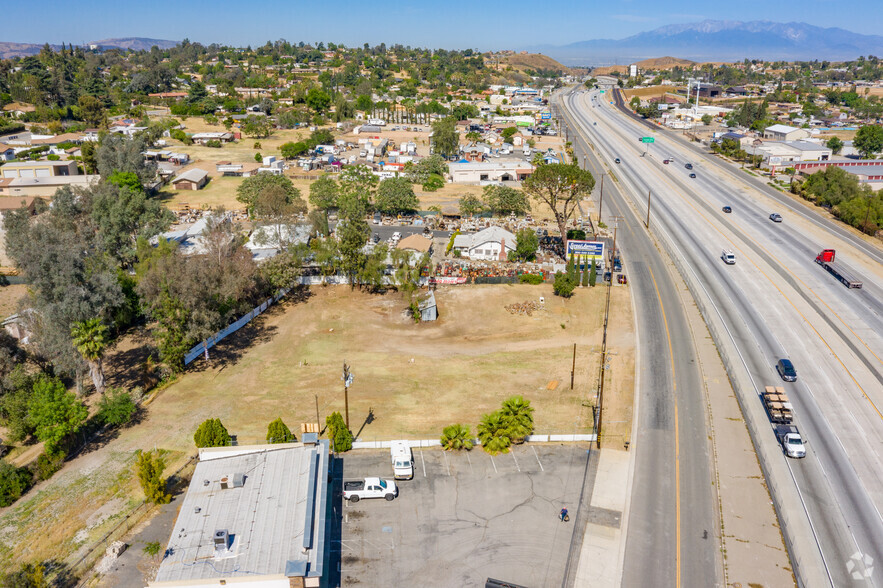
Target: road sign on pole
{"x":648,"y":140}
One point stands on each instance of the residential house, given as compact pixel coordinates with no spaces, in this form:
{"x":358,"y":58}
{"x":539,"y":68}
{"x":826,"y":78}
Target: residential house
{"x":490,"y":244}
{"x":785,"y":133}
{"x":39,"y":169}
{"x":6,"y":153}
{"x":193,"y":179}
{"x":416,"y":245}
{"x":203,"y":138}
{"x":498,"y":170}
{"x":19,"y":109}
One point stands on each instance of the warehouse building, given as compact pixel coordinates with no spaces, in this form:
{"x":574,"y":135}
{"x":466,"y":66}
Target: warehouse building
{"x":253,"y":516}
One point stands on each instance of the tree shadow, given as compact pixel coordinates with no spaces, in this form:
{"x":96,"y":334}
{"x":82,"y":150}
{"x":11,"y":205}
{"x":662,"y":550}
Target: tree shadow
{"x":231,"y":349}
{"x":126,"y":367}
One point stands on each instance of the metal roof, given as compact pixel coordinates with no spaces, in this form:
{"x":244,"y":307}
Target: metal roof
{"x":268,"y":519}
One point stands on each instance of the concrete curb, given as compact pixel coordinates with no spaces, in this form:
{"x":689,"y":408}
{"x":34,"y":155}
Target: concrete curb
{"x":437,"y":443}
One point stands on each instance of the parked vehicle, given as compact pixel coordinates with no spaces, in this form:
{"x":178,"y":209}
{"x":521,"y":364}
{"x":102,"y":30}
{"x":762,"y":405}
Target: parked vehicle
{"x":377,"y":218}
{"x":728,"y":209}
{"x":728,"y":256}
{"x":786,"y":370}
{"x":792,"y":443}
{"x":402,"y":460}
{"x":826,"y":260}
{"x":355,"y":490}
{"x":776,"y":217}
{"x":375,"y":238}
{"x":777,"y":405}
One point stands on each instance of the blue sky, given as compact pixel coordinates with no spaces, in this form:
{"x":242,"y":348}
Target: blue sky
{"x":455,"y":24}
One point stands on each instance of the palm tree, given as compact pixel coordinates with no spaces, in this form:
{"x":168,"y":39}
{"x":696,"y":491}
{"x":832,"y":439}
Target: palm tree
{"x":493,"y":432}
{"x":90,"y":339}
{"x":517,"y":413}
{"x":456,"y":437}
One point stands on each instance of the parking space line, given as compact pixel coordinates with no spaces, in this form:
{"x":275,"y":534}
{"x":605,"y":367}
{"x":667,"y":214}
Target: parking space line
{"x":517,"y":467}
{"x":538,"y":458}
{"x":494,"y":463}
{"x":423,"y":461}
{"x":447,"y":465}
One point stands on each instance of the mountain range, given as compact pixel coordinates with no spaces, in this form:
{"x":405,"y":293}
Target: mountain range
{"x":8,"y":49}
{"x":720,"y":40}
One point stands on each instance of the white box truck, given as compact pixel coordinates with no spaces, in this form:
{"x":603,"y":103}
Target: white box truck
{"x":402,"y":460}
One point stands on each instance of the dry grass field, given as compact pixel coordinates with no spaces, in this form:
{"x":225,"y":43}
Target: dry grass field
{"x":413,"y":379}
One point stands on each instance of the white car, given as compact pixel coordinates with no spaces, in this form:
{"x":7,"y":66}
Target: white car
{"x":776,"y":217}
{"x":728,"y":256}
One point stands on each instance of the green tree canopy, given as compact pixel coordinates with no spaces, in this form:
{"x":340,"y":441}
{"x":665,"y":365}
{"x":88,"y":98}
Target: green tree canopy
{"x":278,"y":432}
{"x":55,"y":413}
{"x":150,"y":466}
{"x":251,"y":188}
{"x":560,"y":187}
{"x":445,"y":140}
{"x":211,"y":433}
{"x":526,"y":245}
{"x":503,"y":200}
{"x":869,"y":140}
{"x":395,"y":196}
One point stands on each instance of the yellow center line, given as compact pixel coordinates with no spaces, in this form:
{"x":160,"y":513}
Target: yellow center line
{"x":674,"y":387}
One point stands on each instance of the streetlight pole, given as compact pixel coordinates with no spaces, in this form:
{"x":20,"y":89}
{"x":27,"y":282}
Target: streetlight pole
{"x":347,"y":382}
{"x":648,"y":209}
{"x":601,"y":199}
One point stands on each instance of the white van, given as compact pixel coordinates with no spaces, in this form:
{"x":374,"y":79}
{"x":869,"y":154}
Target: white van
{"x":728,"y":256}
{"x":402,"y":460}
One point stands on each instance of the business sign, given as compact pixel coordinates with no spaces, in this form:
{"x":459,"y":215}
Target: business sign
{"x":585,"y":248}
{"x":448,"y":280}
{"x":602,"y":91}
{"x":546,"y":116}
{"x":648,"y":140}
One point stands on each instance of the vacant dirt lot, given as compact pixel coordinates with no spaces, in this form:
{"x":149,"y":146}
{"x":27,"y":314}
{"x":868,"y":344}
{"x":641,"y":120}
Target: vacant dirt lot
{"x":410,"y":381}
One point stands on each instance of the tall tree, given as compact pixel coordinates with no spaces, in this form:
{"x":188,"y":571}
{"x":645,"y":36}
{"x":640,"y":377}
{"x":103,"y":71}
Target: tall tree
{"x":395,"y":196}
{"x":90,"y":339}
{"x":55,"y":413}
{"x":445,"y":140}
{"x":560,"y":187}
{"x":869,"y":140}
{"x":118,"y":153}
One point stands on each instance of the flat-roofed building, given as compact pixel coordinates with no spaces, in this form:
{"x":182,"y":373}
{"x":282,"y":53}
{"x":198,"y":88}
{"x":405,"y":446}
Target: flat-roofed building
{"x":255,"y":516}
{"x":39,"y":169}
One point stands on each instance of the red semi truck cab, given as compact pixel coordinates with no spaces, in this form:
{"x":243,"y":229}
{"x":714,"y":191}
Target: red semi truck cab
{"x":827,"y":255}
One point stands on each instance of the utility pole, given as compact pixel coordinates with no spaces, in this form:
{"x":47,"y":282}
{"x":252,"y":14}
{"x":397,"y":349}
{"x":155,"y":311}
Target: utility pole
{"x":648,"y":209}
{"x":347,"y":382}
{"x":601,"y":199}
{"x":318,"y":422}
{"x":573,"y":365}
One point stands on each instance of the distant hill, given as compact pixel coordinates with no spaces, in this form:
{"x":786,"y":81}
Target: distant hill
{"x":728,"y":41}
{"x":9,"y":50}
{"x":134,"y":43}
{"x":534,"y":61}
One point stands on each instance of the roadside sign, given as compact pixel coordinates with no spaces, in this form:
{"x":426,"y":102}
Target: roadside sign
{"x":546,"y":116}
{"x":602,"y":91}
{"x":585,"y":248}
{"x":647,"y":140}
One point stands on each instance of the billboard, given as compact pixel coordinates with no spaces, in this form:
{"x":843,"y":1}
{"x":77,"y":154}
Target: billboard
{"x":546,"y":116}
{"x":590,"y":248}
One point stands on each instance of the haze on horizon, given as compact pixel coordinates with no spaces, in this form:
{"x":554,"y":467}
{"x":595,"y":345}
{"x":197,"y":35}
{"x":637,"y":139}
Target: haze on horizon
{"x":452,"y":25}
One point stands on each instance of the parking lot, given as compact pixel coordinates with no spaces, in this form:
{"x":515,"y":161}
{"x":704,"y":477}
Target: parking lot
{"x":464,"y":517}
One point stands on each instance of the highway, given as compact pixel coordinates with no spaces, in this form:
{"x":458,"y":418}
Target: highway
{"x":672,"y":527}
{"x":775,"y":302}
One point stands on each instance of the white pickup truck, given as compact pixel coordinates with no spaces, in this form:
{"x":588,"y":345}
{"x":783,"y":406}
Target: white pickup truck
{"x":356,"y":490}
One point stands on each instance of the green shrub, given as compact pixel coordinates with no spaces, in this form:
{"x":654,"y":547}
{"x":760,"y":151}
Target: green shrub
{"x":278,"y":432}
{"x":451,"y":242}
{"x":530,"y":279}
{"x":341,"y":437}
{"x":456,"y":437}
{"x":563,"y":285}
{"x":213,"y":143}
{"x":433,"y":182}
{"x":150,"y":466}
{"x":211,"y":433}
{"x":13,"y":482}
{"x":47,"y":465}
{"x":116,"y":407}
{"x":493,"y":432}
{"x":576,"y":234}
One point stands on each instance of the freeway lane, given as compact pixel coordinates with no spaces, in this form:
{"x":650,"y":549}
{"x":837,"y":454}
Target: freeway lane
{"x":777,"y":304}
{"x":673,"y":531}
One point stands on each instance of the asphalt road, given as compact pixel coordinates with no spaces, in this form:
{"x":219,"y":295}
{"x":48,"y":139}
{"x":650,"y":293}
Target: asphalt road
{"x":776,"y":302}
{"x":671,"y":537}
